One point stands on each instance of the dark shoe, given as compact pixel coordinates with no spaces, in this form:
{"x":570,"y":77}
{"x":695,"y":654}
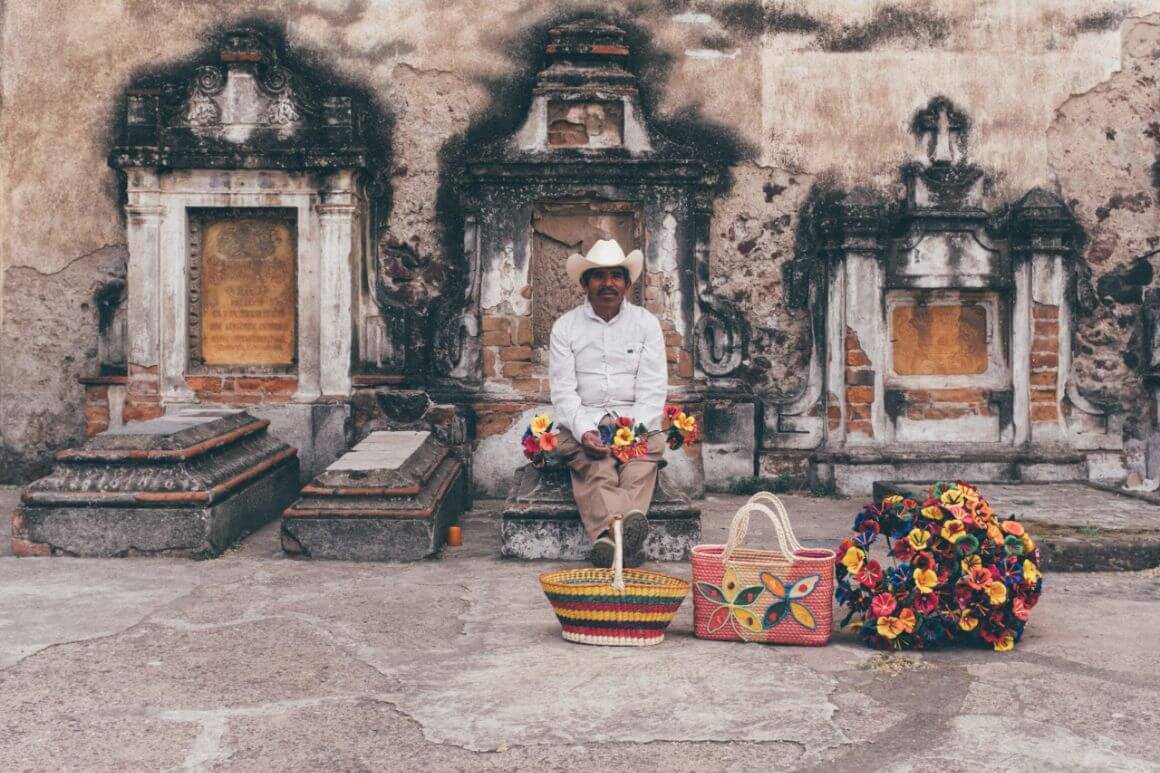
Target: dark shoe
{"x":634,"y":528}
{"x":603,"y":551}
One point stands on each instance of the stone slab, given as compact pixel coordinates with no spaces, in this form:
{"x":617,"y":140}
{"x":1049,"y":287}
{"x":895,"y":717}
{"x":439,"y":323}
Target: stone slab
{"x":540,"y":521}
{"x":195,"y":481}
{"x":390,"y":498}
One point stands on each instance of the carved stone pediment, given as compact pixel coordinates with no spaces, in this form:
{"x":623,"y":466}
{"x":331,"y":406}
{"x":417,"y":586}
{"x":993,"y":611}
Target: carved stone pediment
{"x":241,"y":107}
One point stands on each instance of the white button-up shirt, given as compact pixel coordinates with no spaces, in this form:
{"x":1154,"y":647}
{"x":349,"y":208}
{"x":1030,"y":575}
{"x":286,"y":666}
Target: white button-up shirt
{"x":597,"y":367}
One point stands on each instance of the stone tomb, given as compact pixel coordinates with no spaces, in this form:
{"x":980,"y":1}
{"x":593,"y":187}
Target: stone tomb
{"x":192,"y":481}
{"x":390,"y":498}
{"x":540,"y":520}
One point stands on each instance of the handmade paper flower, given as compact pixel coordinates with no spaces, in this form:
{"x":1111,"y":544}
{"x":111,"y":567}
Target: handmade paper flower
{"x":685,"y":422}
{"x":960,"y":573}
{"x":925,"y":580}
{"x":623,"y":437}
{"x":883,"y":604}
{"x":870,"y":574}
{"x":540,"y":424}
{"x":531,"y":446}
{"x":549,"y":441}
{"x":1013,"y":527}
{"x":624,"y":421}
{"x":671,"y":411}
{"x":979,"y":577}
{"x":853,"y":560}
{"x":953,"y":530}
{"x":933,"y":512}
{"x":918,"y":539}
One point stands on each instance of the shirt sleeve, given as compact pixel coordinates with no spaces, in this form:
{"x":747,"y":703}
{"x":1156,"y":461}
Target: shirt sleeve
{"x":652,"y":377}
{"x":570,"y":412}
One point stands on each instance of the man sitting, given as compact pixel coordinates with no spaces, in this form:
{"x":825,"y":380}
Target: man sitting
{"x":607,"y":360}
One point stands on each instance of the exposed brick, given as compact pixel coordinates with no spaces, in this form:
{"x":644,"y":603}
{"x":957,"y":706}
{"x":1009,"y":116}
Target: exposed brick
{"x":496,"y":338}
{"x":96,"y":393}
{"x":1045,"y":327}
{"x":857,"y":358}
{"x":1046,"y":344}
{"x":1044,"y":378}
{"x":673,"y":338}
{"x":918,"y":396}
{"x":530,"y":386}
{"x":1044,"y":412}
{"x":672,"y":353}
{"x":488,"y":362}
{"x":947,"y":412}
{"x":834,"y":411}
{"x":915,"y":412}
{"x":860,"y":394}
{"x":515,"y":354}
{"x":1043,"y":311}
{"x":685,"y":364}
{"x":94,"y":428}
{"x":204,"y":383}
{"x":522,"y":331}
{"x":137,"y":412}
{"x":1044,"y":360}
{"x":518,"y":369}
{"x":957,"y":395}
{"x":1042,"y":395}
{"x":857,"y":412}
{"x":860,"y":426}
{"x":22,"y":548}
{"x":491,"y":323}
{"x":859,"y":377}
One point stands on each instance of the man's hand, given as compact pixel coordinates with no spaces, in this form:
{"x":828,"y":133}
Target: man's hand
{"x":590,"y":441}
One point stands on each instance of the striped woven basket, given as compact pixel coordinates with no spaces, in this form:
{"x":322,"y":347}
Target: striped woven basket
{"x":615,"y":607}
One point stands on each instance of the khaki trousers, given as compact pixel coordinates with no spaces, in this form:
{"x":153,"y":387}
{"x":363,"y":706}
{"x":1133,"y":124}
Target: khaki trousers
{"x":605,"y":487}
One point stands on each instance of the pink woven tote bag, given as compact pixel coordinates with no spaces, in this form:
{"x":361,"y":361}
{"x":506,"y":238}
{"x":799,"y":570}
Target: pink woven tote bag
{"x":774,"y":596}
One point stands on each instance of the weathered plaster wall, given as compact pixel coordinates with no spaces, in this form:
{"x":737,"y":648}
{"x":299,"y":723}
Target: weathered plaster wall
{"x":814,"y":90}
{"x":1104,"y":150}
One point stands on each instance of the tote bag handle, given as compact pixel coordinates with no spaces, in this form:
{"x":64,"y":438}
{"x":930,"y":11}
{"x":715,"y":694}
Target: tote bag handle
{"x":778,"y":516}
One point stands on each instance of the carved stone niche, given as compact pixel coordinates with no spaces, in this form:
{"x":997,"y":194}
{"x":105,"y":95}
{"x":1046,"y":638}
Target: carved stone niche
{"x":947,"y":329}
{"x":584,"y":165}
{"x":247,"y":219}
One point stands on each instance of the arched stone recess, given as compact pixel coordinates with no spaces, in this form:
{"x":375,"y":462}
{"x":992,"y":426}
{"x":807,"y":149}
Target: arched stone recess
{"x":585,"y":163}
{"x":251,"y":193}
{"x":942,"y":342}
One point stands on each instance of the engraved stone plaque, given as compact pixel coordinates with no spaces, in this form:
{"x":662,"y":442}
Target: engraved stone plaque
{"x":244,"y":311}
{"x":942,"y":340}
{"x":558,"y":230}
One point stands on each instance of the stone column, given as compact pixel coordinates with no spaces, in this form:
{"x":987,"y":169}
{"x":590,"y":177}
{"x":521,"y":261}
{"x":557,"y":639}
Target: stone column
{"x":144,"y":214}
{"x":338,"y":233}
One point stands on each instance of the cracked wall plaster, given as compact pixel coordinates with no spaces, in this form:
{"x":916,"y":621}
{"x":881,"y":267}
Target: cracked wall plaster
{"x":1102,"y":146}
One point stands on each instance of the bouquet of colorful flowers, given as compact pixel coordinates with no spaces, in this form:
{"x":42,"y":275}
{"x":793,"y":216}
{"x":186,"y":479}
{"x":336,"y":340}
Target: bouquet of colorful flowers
{"x":957,"y":572}
{"x":539,"y":440}
{"x":629,"y":440}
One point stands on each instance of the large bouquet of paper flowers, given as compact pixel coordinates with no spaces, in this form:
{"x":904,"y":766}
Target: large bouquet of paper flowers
{"x":958,"y":572}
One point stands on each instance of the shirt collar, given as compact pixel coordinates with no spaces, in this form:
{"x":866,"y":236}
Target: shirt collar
{"x":591,"y":312}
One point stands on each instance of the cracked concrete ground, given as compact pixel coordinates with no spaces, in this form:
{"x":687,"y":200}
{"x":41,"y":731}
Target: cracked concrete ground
{"x":259,"y":662}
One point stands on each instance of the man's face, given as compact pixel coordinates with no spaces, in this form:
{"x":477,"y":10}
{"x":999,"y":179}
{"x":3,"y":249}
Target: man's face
{"x":606,"y":287}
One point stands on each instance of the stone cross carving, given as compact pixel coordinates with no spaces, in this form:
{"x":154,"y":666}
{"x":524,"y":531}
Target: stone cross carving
{"x":942,"y":128}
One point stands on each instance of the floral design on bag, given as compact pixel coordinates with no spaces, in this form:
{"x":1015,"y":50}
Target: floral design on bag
{"x":735,"y":603}
{"x":788,"y":600}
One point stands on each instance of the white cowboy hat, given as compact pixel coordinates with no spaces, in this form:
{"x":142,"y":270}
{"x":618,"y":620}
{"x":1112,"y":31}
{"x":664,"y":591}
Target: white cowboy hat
{"x":606,"y":253}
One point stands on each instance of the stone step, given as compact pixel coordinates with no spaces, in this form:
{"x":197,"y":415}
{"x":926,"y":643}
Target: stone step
{"x":540,"y":521}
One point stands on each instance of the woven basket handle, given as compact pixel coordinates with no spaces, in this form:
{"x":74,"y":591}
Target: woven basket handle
{"x":618,"y":553}
{"x":786,"y":540}
{"x":778,"y":507}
